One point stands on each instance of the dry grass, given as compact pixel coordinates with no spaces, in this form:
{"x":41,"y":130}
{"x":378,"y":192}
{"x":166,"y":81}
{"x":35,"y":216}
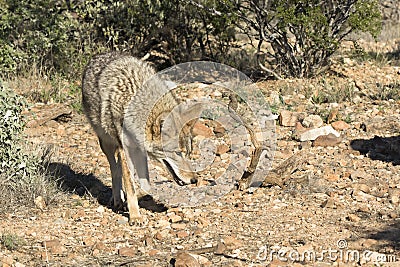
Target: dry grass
{"x":36,"y":85}
{"x":19,"y":191}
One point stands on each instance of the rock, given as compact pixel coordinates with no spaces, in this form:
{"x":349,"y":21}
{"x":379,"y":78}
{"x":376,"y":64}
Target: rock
{"x":100,"y":209}
{"x":153,"y":252}
{"x":314,"y":133}
{"x":89,"y":241}
{"x":329,"y":203}
{"x":182,"y":234}
{"x":299,"y":128}
{"x":7,"y":261}
{"x":174,"y":218}
{"x":232,"y":243}
{"x":222,"y":149}
{"x":40,"y":114}
{"x":340,"y":125}
{"x":348,"y":61}
{"x":395,"y":199}
{"x":178,"y":226}
{"x":40,"y":203}
{"x":18,"y":264}
{"x":128,"y":251}
{"x":332,"y":177}
{"x":312,"y":121}
{"x":54,"y":246}
{"x":200,"y":128}
{"x":289,"y":118}
{"x":353,"y":218}
{"x":363,"y":187}
{"x":327,"y":140}
{"x":394,"y":196}
{"x":361,"y":196}
{"x":184,"y":259}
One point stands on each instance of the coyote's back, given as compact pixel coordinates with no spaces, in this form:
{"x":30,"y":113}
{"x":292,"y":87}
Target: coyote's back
{"x":109,"y":83}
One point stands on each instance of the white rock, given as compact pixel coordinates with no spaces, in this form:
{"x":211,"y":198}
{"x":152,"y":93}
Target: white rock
{"x":312,"y":134}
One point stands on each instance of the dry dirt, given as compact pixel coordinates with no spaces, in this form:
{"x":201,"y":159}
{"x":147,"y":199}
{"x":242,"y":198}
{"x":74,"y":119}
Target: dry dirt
{"x":340,"y":203}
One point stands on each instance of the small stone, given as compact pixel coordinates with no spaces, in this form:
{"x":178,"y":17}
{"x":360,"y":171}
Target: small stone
{"x":327,"y":140}
{"x":184,"y":259}
{"x":354,"y":218}
{"x":363,"y":187}
{"x":314,"y":133}
{"x":329,"y":203}
{"x":79,"y":214}
{"x":395,"y":199}
{"x":200,"y":128}
{"x":100,"y":209}
{"x":7,"y":261}
{"x":340,"y":125}
{"x":148,"y":241}
{"x":18,"y":264}
{"x":161,"y":235}
{"x":178,"y":226}
{"x":153,"y":252}
{"x":368,"y":243}
{"x":232,"y":243}
{"x":222,"y":149}
{"x":303,"y":250}
{"x":360,"y":196}
{"x":312,"y":121}
{"x":299,"y":128}
{"x":161,"y":223}
{"x":54,"y":246}
{"x":363,"y":208}
{"x":175,"y":218}
{"x":332,"y":177}
{"x":89,"y":241}
{"x":289,"y":118}
{"x":394,"y":196}
{"x":182,"y":234}
{"x":40,"y":203}
{"x":277,"y":263}
{"x":127,"y":251}
{"x":122,"y":220}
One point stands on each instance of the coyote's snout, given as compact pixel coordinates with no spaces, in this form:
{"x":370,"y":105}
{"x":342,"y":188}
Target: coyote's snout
{"x":112,"y":87}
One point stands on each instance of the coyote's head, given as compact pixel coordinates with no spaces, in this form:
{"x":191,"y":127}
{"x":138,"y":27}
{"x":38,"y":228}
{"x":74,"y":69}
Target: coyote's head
{"x":167,"y":135}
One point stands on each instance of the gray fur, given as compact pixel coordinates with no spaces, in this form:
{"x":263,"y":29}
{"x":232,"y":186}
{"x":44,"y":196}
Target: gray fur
{"x":110,"y":83}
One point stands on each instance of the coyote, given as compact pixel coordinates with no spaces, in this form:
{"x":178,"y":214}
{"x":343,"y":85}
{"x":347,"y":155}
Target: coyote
{"x":110,"y":83}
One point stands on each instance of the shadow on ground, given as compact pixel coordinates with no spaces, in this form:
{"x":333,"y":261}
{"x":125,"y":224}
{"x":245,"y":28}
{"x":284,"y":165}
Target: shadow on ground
{"x":88,"y":184}
{"x":389,"y":238}
{"x":379,"y":148}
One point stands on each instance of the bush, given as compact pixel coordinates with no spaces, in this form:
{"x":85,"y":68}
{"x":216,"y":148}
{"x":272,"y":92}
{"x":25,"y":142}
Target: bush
{"x":60,"y":36}
{"x":22,"y":174}
{"x":303,"y":35}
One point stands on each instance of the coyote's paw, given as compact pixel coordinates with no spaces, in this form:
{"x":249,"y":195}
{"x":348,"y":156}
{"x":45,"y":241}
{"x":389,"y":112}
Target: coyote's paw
{"x":137,"y":221}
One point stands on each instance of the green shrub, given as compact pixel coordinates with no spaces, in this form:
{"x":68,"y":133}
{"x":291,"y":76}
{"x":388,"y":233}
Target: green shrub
{"x":22,"y":174}
{"x":11,"y":241}
{"x":303,"y":35}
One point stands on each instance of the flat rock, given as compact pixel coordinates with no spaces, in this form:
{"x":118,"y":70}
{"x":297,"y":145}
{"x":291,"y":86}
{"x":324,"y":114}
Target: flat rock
{"x":314,"y":133}
{"x":186,"y":260}
{"x":327,"y":140}
{"x":340,"y":125}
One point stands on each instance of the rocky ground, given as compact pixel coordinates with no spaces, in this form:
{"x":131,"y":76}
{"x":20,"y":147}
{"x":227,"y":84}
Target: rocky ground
{"x":338,"y":207}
